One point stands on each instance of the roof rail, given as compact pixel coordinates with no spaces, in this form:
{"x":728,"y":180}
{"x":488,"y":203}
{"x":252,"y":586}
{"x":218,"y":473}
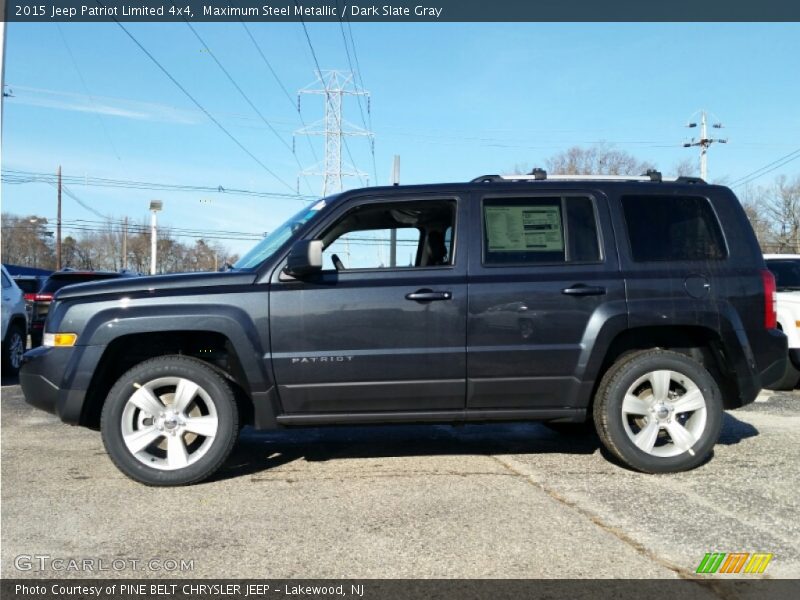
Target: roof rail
{"x":542,"y":175}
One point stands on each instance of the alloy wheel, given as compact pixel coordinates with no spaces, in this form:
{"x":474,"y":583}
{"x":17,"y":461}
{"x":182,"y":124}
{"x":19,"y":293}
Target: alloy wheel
{"x":169,"y":423}
{"x":664,"y":413}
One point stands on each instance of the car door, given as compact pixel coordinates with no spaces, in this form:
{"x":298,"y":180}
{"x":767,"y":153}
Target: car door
{"x":380,"y":336}
{"x":547,"y":268}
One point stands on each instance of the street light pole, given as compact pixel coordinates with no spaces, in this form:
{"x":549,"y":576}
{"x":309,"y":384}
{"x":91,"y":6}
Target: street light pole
{"x":155,"y":206}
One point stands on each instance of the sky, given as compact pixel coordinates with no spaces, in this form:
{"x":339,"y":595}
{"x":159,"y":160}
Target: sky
{"x":453,"y":100}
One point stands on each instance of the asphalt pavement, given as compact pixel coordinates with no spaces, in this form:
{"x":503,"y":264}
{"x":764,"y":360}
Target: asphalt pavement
{"x":476,"y":501}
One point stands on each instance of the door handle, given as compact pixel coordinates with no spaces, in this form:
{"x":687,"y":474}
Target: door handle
{"x":426,"y":295}
{"x":581,"y":289}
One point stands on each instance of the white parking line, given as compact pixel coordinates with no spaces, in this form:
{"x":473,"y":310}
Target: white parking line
{"x":764,"y":396}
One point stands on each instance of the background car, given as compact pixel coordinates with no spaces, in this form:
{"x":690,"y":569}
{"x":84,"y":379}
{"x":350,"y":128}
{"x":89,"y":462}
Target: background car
{"x":56,"y":281}
{"x":786,"y":269}
{"x":15,"y":328}
{"x":30,"y":285}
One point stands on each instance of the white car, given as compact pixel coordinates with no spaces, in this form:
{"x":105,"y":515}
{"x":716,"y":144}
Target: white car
{"x":15,"y":325}
{"x":786,"y":269}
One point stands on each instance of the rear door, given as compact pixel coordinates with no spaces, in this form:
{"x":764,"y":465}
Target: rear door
{"x":545,"y":279}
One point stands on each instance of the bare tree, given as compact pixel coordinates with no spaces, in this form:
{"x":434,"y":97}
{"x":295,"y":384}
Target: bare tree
{"x":26,"y":241}
{"x":779,"y":204}
{"x":597,"y":160}
{"x":685,"y":168}
{"x":761,"y":225}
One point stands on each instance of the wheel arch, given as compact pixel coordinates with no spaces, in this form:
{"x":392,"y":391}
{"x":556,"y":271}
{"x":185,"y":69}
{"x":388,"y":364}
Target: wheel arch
{"x":216,"y":348}
{"x":704,"y":344}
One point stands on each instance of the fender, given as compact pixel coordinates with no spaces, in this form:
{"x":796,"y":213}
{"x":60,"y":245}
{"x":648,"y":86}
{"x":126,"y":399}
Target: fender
{"x":234,"y":323}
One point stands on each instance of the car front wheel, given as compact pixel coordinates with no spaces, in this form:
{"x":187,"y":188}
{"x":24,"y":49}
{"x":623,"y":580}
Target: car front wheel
{"x":171,"y":420}
{"x":659,"y":411}
{"x":13,"y":349}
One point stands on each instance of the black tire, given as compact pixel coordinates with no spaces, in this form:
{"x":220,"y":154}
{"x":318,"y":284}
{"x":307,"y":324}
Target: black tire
{"x":216,"y":448}
{"x":790,"y":378}
{"x":15,"y":339}
{"x":611,"y":424}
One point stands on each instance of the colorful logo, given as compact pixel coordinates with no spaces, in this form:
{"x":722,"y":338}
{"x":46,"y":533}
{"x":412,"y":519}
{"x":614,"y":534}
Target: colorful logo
{"x":734,"y":562}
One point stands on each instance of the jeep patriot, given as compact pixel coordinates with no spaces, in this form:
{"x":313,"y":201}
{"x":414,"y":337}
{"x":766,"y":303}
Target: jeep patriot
{"x":637,"y":305}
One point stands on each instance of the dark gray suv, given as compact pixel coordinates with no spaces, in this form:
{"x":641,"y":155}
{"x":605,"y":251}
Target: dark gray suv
{"x":641,"y":305}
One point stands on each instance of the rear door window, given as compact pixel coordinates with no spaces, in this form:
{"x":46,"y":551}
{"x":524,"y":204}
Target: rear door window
{"x":670,"y":228}
{"x":542,"y":230}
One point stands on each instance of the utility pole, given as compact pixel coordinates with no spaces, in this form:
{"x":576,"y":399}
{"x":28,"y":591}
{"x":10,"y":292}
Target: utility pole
{"x":704,"y":142}
{"x":125,"y":243}
{"x":393,"y":234}
{"x":58,"y":224}
{"x":334,"y":85}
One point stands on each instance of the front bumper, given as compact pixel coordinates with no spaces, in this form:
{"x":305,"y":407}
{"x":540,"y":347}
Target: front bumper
{"x":56,"y":379}
{"x":794,"y":356}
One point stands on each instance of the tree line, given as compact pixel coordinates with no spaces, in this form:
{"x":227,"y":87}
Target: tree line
{"x":28,"y":241}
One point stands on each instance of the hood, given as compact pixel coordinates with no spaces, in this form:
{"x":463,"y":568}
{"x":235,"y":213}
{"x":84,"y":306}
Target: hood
{"x":155,"y":283}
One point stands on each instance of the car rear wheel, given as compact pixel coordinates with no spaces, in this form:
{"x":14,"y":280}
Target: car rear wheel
{"x":13,"y":349}
{"x":659,"y":411}
{"x":171,"y":420}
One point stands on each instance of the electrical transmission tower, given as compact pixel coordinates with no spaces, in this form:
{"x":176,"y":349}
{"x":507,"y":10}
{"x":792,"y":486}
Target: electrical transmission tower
{"x":704,"y":142}
{"x":334,"y":86}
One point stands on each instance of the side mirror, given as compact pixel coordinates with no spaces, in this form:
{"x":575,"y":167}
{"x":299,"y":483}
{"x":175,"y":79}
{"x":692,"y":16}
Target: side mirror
{"x":305,"y":258}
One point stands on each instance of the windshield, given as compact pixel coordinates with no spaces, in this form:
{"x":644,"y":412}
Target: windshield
{"x":275,"y":239}
{"x":786,"y":272}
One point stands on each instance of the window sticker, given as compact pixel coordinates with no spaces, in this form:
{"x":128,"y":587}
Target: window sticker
{"x":524,"y":228}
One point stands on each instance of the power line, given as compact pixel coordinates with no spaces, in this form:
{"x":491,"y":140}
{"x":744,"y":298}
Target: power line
{"x":358,"y":99}
{"x":88,"y":93}
{"x":360,"y":81}
{"x":88,"y":227}
{"x":196,"y":103}
{"x":146,"y":227}
{"x":247,"y":98}
{"x":783,"y":160}
{"x":13,"y":176}
{"x":280,"y":83}
{"x":69,"y":193}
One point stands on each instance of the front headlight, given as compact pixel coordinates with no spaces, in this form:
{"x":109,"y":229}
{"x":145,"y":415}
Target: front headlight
{"x":59,"y":340}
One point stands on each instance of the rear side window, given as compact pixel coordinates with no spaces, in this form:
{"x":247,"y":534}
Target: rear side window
{"x":29,"y":286}
{"x":786,"y":272}
{"x":544,"y":230}
{"x":662,"y":228}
